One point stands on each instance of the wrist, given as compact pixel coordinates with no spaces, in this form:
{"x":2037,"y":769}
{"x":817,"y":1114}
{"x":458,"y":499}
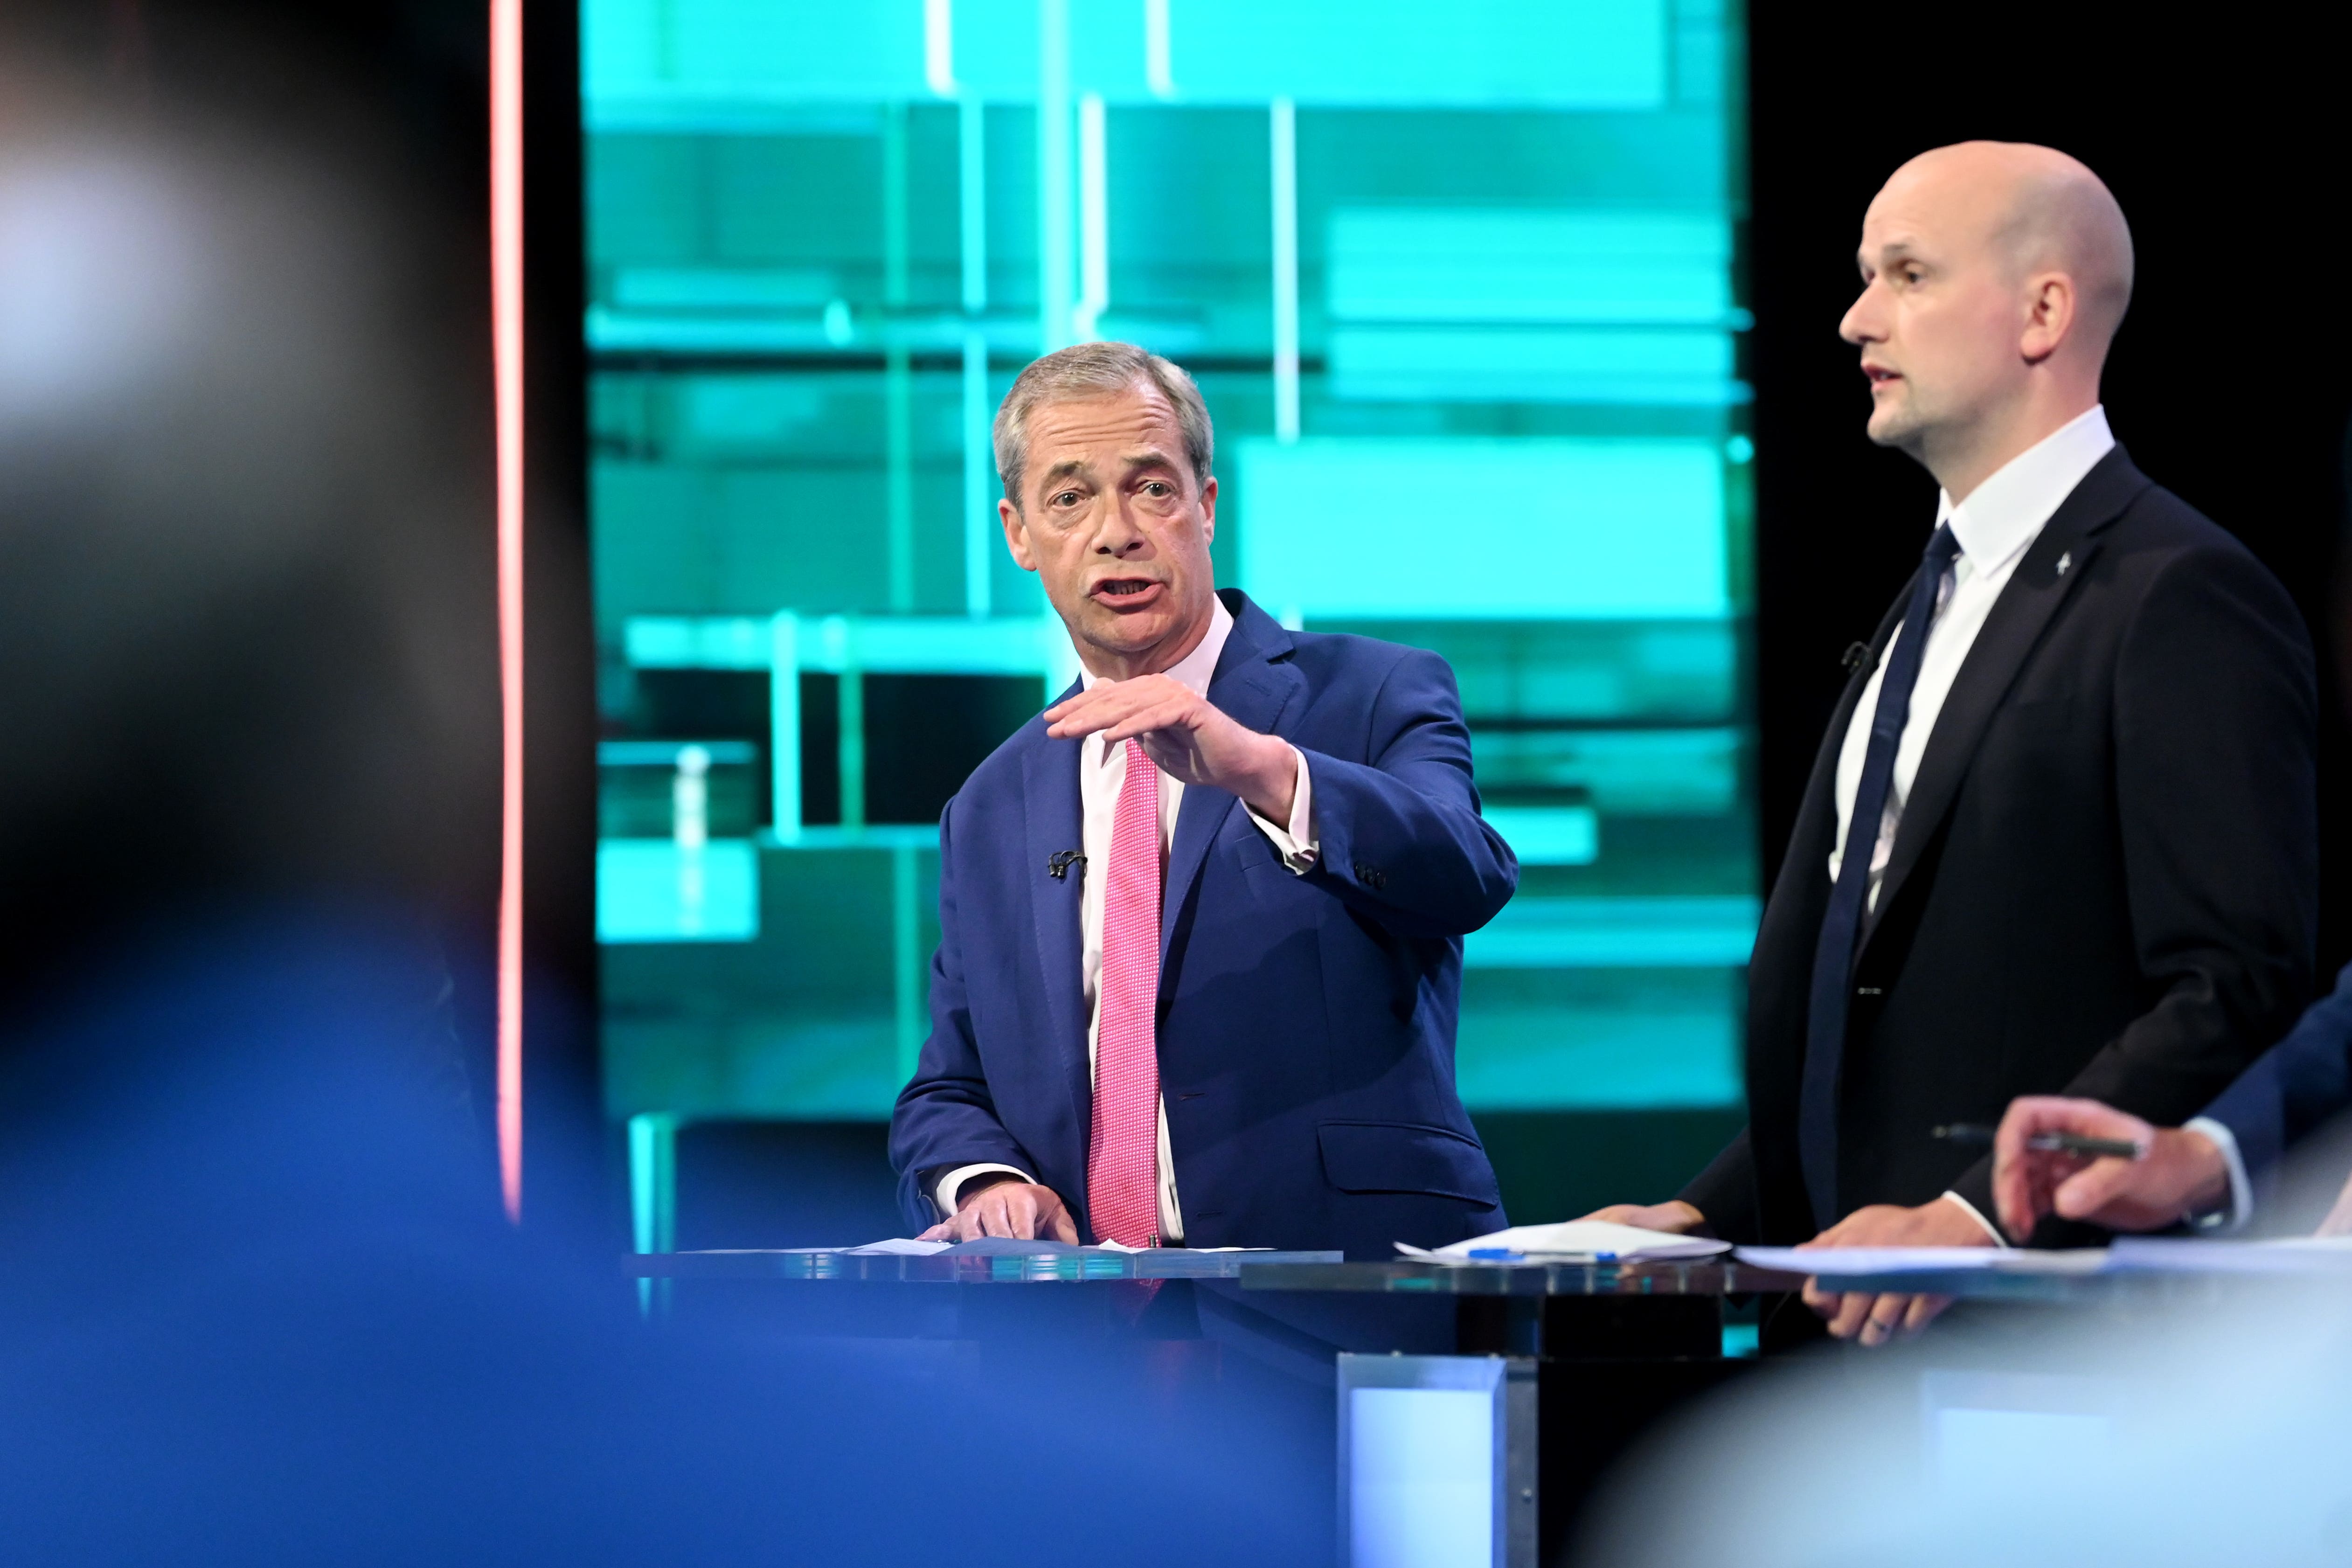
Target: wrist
{"x":976,"y":1185}
{"x":1273,"y":782}
{"x":2204,"y":1167}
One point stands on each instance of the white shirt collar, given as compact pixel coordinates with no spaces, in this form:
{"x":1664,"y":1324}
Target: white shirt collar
{"x":2003,"y":515}
{"x":1193,"y":670}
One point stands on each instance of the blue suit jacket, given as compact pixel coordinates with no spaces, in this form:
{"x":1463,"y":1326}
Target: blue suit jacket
{"x":1306,"y":1022}
{"x":2294,"y":1086}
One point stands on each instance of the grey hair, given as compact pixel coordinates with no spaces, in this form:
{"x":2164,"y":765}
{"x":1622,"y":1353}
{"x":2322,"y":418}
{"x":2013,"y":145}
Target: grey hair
{"x":1087,"y":372}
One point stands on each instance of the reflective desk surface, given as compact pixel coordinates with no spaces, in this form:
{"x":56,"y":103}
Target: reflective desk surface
{"x":960,"y":1267}
{"x":1708,"y":1276}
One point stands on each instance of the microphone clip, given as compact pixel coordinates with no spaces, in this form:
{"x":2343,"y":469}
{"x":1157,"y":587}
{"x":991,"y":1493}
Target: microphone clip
{"x":1058,"y":866}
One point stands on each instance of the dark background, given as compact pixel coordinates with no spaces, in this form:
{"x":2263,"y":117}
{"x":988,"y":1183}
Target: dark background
{"x":2225,"y":141}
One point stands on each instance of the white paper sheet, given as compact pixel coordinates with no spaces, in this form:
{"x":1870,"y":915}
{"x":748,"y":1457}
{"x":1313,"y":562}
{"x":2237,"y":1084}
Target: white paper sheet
{"x":1583,"y":1240}
{"x":897,"y":1247}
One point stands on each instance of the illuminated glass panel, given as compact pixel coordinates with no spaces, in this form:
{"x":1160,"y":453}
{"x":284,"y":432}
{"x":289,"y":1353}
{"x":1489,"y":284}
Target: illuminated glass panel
{"x":1461,"y":286}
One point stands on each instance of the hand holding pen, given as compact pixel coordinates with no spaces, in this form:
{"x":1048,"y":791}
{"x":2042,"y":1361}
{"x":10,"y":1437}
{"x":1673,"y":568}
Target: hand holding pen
{"x":2081,"y":1160}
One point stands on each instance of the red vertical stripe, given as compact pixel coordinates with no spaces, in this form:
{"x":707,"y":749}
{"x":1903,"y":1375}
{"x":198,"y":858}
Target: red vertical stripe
{"x":506,"y":330}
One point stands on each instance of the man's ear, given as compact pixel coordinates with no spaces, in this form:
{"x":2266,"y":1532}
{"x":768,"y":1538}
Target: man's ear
{"x":2049,"y":316}
{"x":1017,"y":534}
{"x":1209,"y":509}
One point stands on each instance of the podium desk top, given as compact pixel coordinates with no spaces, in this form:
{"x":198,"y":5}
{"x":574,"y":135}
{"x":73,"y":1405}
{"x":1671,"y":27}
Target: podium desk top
{"x":1704,"y":1277}
{"x":1065,"y":1265}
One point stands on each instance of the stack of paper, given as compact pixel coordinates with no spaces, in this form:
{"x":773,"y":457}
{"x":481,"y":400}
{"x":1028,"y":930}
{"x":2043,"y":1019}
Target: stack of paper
{"x":1576,"y":1240}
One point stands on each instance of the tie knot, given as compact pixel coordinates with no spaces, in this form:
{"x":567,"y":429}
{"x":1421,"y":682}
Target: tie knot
{"x":1941,"y":548}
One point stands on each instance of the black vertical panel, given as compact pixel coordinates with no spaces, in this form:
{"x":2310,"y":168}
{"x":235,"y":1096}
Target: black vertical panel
{"x":2229,"y":383}
{"x":566,"y":1162}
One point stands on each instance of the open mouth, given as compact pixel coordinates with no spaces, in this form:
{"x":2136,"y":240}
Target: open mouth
{"x":1879,"y":375}
{"x":1126,"y":592}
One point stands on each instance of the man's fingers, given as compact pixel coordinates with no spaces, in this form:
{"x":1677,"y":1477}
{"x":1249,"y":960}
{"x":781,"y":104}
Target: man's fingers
{"x":1853,"y":1311}
{"x":2088,"y":1192}
{"x":1925,"y":1309}
{"x":2024,"y":1186}
{"x":1884,"y":1319}
{"x":1064,"y":1227}
{"x":1146,"y":721}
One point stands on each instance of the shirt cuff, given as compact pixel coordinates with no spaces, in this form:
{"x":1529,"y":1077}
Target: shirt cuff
{"x":2242,"y":1191}
{"x":1295,"y":844}
{"x":943,"y":1192}
{"x":1990,"y":1229}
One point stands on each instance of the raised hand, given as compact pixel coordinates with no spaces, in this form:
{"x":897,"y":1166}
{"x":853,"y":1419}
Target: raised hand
{"x":1187,"y":737}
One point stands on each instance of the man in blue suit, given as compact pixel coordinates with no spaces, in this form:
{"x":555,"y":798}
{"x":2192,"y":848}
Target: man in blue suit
{"x":1222,"y":1012}
{"x":2213,"y":1170}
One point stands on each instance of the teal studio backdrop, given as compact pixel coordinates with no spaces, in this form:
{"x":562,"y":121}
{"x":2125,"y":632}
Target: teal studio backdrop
{"x":1462,"y":287}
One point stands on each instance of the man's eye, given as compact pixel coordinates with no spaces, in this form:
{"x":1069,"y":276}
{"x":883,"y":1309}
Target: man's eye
{"x":1067,"y":497}
{"x":1157,"y":487}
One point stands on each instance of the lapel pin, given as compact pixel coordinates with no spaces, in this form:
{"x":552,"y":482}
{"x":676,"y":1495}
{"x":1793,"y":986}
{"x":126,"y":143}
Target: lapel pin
{"x":2066,"y":558}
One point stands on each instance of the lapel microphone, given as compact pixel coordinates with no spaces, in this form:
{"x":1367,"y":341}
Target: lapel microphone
{"x":1058,"y":866}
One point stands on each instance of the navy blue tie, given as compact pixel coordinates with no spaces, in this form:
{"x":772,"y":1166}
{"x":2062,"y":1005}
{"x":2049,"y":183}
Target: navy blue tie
{"x":1817,"y":1109}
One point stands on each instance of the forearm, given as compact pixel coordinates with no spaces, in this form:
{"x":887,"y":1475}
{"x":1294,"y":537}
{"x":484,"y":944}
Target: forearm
{"x":1411,"y":850}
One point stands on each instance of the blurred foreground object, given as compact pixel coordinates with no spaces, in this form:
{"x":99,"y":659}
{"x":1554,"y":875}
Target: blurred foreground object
{"x":261,"y":1307}
{"x":2206,"y":1432}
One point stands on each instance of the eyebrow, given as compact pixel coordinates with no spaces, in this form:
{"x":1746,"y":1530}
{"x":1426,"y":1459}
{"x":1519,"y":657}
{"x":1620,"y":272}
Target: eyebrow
{"x":1149,"y":457}
{"x":1062,"y":469}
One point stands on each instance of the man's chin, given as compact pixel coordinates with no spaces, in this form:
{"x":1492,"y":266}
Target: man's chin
{"x":1894,"y":428}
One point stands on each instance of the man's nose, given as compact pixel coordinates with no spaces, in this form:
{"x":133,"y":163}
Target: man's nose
{"x":1861,"y":323}
{"x":1118,"y":535}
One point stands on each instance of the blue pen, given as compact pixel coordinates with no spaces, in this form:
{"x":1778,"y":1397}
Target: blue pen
{"x":1494,"y":1252}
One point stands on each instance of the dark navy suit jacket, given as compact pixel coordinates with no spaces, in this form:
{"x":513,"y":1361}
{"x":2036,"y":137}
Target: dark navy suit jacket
{"x":1305,"y":1025}
{"x":2297,"y":1084}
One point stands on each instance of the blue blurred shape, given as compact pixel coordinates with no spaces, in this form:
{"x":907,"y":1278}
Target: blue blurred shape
{"x":1528,"y":529}
{"x":651,"y":890}
{"x":1531,"y":265}
{"x":1422,"y":1477}
{"x":1702,"y":931}
{"x":1548,"y":834}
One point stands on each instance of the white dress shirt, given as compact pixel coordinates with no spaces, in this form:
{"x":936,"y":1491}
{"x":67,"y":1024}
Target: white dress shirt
{"x":1993,"y":527}
{"x":2242,"y":1190}
{"x":1102,"y":772}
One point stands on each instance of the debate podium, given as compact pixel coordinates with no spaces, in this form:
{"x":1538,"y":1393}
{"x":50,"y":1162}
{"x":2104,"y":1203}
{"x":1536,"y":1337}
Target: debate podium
{"x":1471,"y":1409}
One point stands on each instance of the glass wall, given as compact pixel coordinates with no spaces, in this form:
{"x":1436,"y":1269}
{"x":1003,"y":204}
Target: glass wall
{"x":1461,"y":285}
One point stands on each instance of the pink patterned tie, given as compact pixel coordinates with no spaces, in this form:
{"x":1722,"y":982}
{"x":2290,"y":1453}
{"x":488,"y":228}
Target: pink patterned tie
{"x":1123,"y":1156}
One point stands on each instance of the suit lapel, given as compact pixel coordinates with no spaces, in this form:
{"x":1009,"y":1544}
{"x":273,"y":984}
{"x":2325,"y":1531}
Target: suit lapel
{"x":1049,"y":794}
{"x":2034,"y":593}
{"x":1254,"y":692}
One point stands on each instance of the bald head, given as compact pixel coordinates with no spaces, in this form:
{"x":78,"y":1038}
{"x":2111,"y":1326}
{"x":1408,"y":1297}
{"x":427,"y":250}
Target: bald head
{"x":2042,"y":211}
{"x":1994,"y":276}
